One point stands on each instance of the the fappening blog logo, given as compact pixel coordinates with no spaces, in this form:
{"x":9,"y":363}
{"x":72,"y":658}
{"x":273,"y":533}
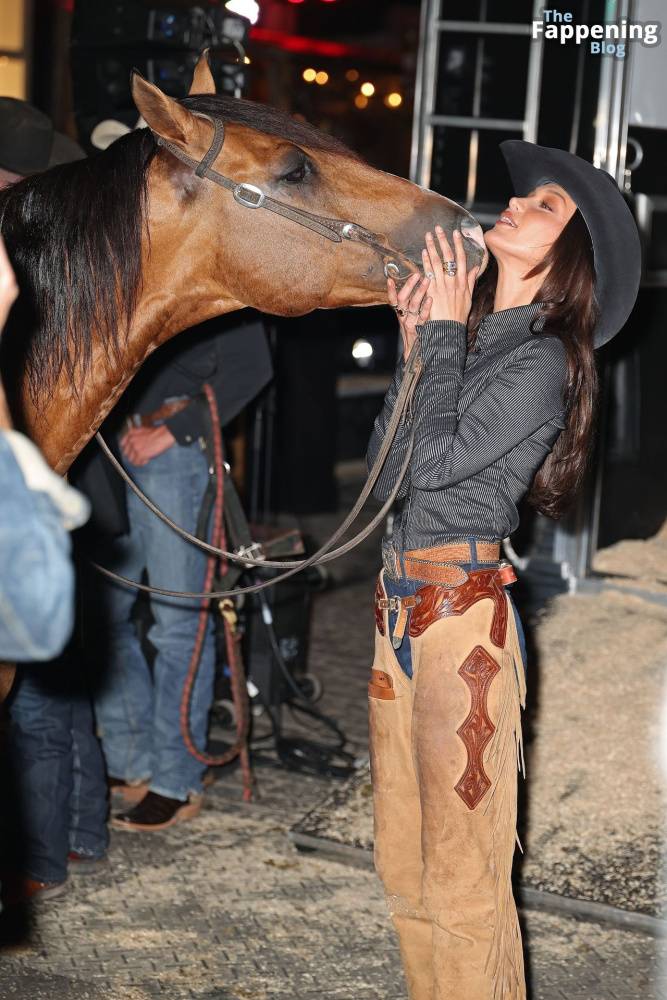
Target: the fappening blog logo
{"x":607,"y":39}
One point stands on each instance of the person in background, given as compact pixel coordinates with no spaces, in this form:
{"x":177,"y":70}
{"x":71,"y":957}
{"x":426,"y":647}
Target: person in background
{"x":59,"y":811}
{"x":37,"y":511}
{"x":162,"y":424}
{"x":160,"y":429}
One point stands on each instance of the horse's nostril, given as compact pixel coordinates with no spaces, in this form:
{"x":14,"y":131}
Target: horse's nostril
{"x":473,"y":231}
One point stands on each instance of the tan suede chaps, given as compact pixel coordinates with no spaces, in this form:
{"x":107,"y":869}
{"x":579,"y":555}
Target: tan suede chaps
{"x":445,"y":750}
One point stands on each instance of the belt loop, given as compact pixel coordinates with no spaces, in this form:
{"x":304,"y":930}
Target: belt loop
{"x":472,"y":543}
{"x":400,"y":565}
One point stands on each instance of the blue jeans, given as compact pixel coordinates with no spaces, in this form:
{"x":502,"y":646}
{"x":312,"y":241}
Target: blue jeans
{"x":138,"y":711}
{"x":59,"y":771}
{"x":405,"y":587}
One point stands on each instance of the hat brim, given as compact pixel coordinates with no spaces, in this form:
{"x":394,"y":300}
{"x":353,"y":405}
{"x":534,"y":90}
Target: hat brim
{"x":613,"y":231}
{"x":106,"y":132}
{"x":64,"y":150}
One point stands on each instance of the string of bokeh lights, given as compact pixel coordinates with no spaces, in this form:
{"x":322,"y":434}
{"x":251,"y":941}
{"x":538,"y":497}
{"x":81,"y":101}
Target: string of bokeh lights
{"x":392,"y":100}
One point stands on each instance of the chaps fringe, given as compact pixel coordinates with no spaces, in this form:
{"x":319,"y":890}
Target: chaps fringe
{"x":505,"y":752}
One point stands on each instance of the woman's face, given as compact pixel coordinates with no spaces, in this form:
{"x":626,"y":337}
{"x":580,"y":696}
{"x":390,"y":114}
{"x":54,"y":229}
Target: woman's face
{"x":529,"y":226}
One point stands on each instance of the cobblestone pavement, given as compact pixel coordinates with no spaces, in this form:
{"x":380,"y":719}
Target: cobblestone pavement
{"x":225,"y":908}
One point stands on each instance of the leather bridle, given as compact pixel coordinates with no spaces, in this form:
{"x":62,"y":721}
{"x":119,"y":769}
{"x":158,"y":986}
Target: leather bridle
{"x":335,"y":230}
{"x":251,"y":196}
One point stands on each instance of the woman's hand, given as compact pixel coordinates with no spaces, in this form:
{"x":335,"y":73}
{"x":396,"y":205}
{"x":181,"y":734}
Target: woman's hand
{"x":412,"y":306}
{"x":451,"y":294}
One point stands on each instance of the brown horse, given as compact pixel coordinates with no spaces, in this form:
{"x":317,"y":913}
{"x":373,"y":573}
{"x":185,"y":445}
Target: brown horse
{"x":120,"y":252}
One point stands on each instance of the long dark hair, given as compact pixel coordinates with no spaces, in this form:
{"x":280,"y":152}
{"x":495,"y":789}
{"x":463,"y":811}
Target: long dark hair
{"x":571,"y":312}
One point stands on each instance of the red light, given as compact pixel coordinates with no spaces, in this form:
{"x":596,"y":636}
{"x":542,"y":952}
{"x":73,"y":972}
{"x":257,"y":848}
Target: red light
{"x":295,"y":1}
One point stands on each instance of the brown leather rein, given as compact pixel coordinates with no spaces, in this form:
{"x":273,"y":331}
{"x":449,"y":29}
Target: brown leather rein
{"x":326,"y":552}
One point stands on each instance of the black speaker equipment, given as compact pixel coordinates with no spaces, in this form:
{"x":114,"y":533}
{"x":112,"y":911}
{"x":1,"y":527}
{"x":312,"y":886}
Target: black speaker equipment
{"x":162,"y":43}
{"x":279,"y":615}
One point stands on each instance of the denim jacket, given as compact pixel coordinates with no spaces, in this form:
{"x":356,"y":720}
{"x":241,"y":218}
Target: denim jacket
{"x":37,"y":581}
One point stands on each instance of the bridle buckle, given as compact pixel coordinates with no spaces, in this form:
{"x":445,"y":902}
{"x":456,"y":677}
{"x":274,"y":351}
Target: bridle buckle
{"x":256,"y":199}
{"x":252,"y":551}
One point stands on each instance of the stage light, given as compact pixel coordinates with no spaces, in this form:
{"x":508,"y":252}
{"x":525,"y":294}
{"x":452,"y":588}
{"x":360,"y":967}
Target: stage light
{"x":309,"y":75}
{"x":361,"y":101}
{"x":247,"y":60}
{"x":295,"y":1}
{"x":244,"y":8}
{"x":362,"y":349}
{"x":352,"y":75}
{"x":393,"y":100}
{"x":362,"y":352}
{"x":367,"y":89}
{"x":321,"y":78}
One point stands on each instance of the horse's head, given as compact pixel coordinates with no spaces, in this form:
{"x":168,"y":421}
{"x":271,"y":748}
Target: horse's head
{"x":301,"y":255}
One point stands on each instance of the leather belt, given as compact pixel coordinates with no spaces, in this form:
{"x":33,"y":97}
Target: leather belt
{"x":438,"y":563}
{"x":161,"y":414}
{"x":456,"y":552}
{"x":431,"y":602}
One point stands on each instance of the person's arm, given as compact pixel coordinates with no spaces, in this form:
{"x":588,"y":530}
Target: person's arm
{"x":389,"y":474}
{"x":188,"y":425}
{"x":242,"y":369}
{"x":37,"y":510}
{"x":525,"y":394}
{"x":412,"y":305}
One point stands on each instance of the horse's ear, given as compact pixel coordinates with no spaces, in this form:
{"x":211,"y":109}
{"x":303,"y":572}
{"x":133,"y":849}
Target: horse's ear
{"x":163,"y":115}
{"x":202,"y":81}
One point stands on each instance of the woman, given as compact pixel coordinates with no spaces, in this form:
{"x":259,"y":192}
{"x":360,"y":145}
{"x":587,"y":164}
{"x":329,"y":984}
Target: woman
{"x":504,"y":407}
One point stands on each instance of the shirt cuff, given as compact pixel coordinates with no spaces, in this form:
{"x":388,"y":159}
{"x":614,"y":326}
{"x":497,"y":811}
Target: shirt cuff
{"x":443,"y":342}
{"x":186,"y":425}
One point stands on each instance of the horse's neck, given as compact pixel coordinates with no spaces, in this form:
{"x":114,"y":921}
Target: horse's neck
{"x":69,"y":419}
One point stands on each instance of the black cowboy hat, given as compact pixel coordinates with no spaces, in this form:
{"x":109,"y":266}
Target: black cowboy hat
{"x":613,"y":231}
{"x":28,"y":141}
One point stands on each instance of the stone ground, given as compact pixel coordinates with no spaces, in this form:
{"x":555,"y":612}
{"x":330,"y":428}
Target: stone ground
{"x":226,"y":908}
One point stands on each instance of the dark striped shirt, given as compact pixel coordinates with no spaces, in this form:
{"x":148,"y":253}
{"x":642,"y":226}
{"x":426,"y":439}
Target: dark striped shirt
{"x":485,"y":420}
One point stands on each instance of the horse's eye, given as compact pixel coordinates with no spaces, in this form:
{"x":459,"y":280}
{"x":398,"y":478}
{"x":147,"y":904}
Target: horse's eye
{"x":298,"y":175}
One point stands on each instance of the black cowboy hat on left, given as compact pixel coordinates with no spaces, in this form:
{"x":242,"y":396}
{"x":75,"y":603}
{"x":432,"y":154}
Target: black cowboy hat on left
{"x":613,"y":231}
{"x":28,"y":141}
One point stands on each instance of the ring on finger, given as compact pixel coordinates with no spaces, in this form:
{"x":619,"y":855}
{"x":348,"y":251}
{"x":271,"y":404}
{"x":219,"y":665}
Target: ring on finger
{"x":411,"y":313}
{"x":400,"y":310}
{"x":450,"y":268}
{"x":429,"y":274}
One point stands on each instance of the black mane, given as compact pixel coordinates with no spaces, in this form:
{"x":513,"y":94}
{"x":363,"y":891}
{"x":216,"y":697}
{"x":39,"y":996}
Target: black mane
{"x":73,"y":235}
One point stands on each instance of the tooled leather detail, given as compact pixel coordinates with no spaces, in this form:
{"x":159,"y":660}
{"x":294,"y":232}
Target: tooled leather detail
{"x":440,"y":602}
{"x":381,"y":686}
{"x":477,"y":670}
{"x":379,"y":617}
